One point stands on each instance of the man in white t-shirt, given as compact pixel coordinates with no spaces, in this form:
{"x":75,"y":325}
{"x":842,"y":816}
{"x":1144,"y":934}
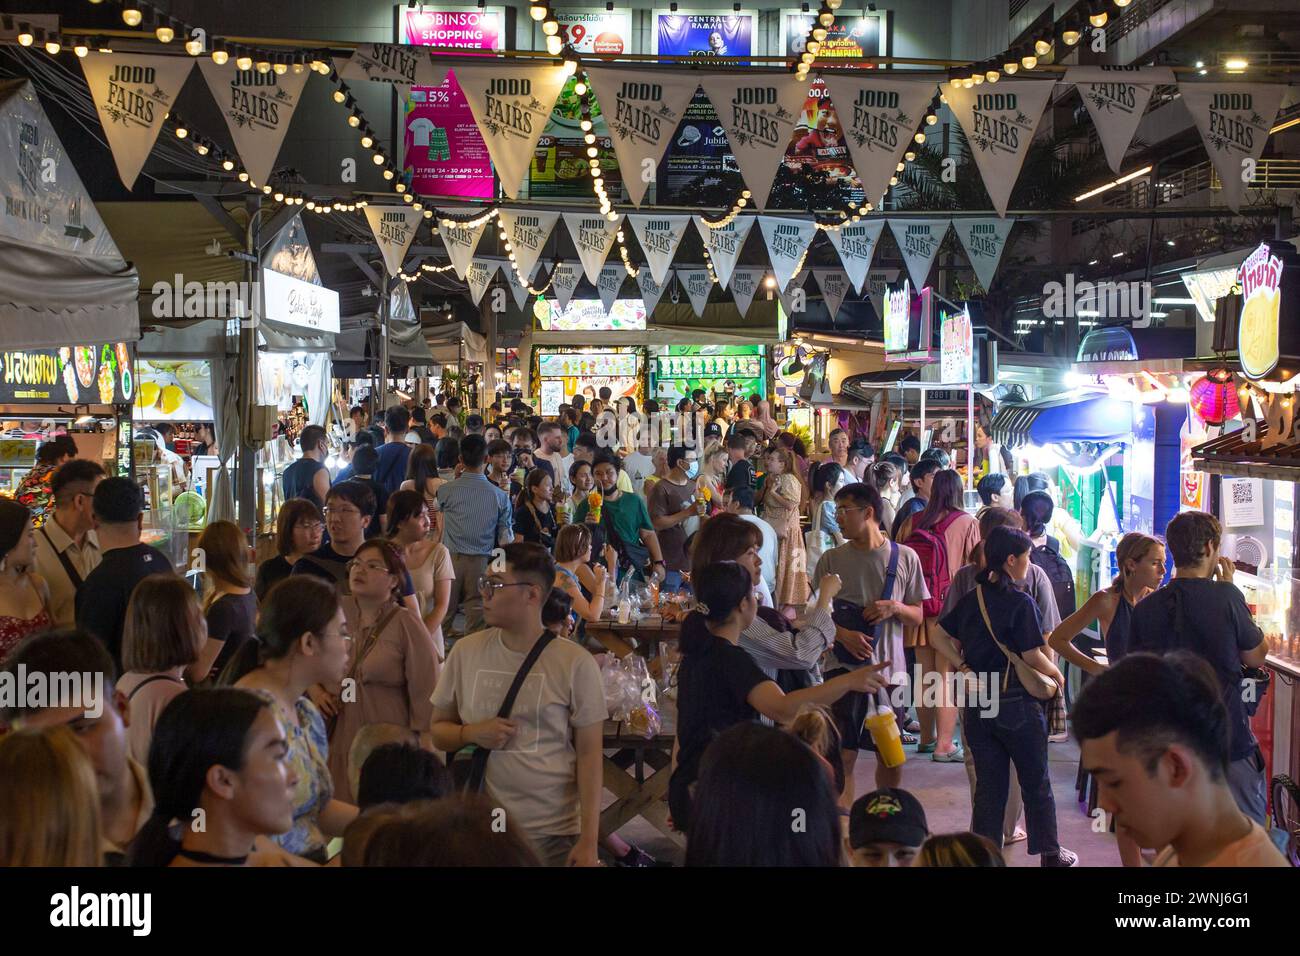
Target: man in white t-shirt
{"x":640,"y":465}
{"x":741,"y":502}
{"x":550,"y":438}
{"x":545,"y":764}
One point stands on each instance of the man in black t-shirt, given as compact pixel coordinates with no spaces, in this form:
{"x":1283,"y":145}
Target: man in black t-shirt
{"x":118,"y":508}
{"x":740,"y":473}
{"x":308,"y":477}
{"x":671,"y":504}
{"x":1201,"y":611}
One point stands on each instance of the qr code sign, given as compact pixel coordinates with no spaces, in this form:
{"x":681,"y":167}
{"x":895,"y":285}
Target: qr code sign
{"x":1243,"y":493}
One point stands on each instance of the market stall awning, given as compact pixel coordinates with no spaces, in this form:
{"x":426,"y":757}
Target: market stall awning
{"x":1231,"y":455}
{"x":1070,"y":417}
{"x":62,"y":278}
{"x":455,"y":343}
{"x":1124,"y":350}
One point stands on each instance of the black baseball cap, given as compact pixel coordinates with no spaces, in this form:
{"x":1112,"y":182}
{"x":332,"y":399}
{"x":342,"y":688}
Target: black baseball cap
{"x":887,"y":816}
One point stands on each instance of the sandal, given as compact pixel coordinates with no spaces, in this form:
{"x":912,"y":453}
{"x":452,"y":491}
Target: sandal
{"x":907,"y":739}
{"x":1018,"y":836}
{"x":956,"y":755}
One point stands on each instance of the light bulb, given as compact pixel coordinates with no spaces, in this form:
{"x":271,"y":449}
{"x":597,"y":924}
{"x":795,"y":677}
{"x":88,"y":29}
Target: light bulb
{"x":267,"y":190}
{"x":220,"y":57}
{"x":977,"y":79}
{"x":428,"y":214}
{"x":319,"y":66}
{"x":26,"y":37}
{"x":1042,"y":47}
{"x":388,"y":174}
{"x":1099,"y":19}
{"x":52,"y":47}
{"x":813,"y":47}
{"x":746,"y":194}
{"x":1070,"y":36}
{"x":280,"y":68}
{"x":570,"y":67}
{"x":550,"y":28}
{"x":227,"y":164}
{"x":193,"y":47}
{"x":367,"y":141}
{"x":264,"y":66}
{"x":834,"y":4}
{"x":298,"y":68}
{"x":538,"y":11}
{"x":1029,"y":61}
{"x":1010,"y":67}
{"x":279,"y":197}
{"x":819,"y":33}
{"x":354,"y":120}
{"x":993,"y":75}
{"x":165,"y":34}
{"x":580,"y":88}
{"x":243,"y":62}
{"x":1122,"y":3}
{"x":378,"y":159}
{"x":81,"y":49}
{"x":919,"y":139}
{"x":243,"y":176}
{"x":931,"y":119}
{"x":407,"y":197}
{"x":132,"y":17}
{"x":807,"y":57}
{"x":181,"y":132}
{"x":586,"y":125}
{"x":611,"y":215}
{"x":898,"y":168}
{"x":200,"y":149}
{"x":826,"y":19}
{"x":593,"y":152}
{"x":909,"y":156}
{"x":339,"y":95}
{"x":589,"y":138}
{"x":893,"y":180}
{"x":554,"y":45}
{"x":400,"y":187}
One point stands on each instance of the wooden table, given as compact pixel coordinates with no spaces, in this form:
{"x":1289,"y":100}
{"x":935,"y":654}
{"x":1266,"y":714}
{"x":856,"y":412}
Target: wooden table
{"x":643,"y":637}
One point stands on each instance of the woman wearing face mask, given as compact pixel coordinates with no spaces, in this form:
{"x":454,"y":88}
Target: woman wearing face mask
{"x":301,"y":642}
{"x":394,"y":663}
{"x":968,"y":636}
{"x":220,"y":751}
{"x":428,"y":561}
{"x":720,"y":685}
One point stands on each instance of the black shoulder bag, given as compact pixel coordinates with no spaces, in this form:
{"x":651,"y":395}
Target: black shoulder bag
{"x":469,"y":771}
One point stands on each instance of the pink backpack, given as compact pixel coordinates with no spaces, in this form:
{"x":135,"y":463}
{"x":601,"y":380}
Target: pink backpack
{"x":932,"y":549}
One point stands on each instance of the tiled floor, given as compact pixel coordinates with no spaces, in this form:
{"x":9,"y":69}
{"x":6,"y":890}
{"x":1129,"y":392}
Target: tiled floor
{"x":943,"y":791}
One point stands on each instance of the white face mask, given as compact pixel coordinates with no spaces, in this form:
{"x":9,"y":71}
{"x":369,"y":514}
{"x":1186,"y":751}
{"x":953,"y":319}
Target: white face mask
{"x":693,"y":469}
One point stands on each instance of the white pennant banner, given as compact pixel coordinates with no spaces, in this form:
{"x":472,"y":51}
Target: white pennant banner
{"x":698,"y":284}
{"x":651,"y":291}
{"x":787,"y":245}
{"x":527,"y":232}
{"x":1116,"y":98}
{"x":794,"y":301}
{"x":257,"y":108}
{"x":724,"y":244}
{"x":461,"y":241}
{"x":520,"y":292}
{"x":856,"y":244}
{"x":919,"y":241}
{"x":511,"y":103}
{"x":133,"y":95}
{"x":479,"y":277}
{"x":394,"y":229}
{"x":877,"y":281}
{"x":659,"y":236}
{"x":759,"y":113}
{"x":878,"y":114}
{"x":643,"y":111}
{"x":999,"y":122}
{"x":564,"y":279}
{"x":609,"y":283}
{"x":983,"y":240}
{"x":744,"y":284}
{"x":593,"y":234}
{"x":402,"y":65}
{"x":835,"y":286}
{"x":1234,"y":120}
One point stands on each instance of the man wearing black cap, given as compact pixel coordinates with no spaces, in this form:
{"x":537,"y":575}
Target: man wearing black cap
{"x":886,"y":828}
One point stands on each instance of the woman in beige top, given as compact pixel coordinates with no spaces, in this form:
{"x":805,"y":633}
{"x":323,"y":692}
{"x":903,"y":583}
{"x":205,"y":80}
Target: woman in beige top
{"x":428,"y":561}
{"x":163,"y":635}
{"x":394,"y":661}
{"x":943,"y":516}
{"x":422,"y":476}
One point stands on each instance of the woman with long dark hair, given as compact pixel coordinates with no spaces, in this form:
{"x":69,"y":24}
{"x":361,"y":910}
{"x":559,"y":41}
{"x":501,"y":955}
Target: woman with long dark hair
{"x":534,"y":516}
{"x":423,"y":475}
{"x":302,"y":642}
{"x":219,"y":775}
{"x":427,"y":560}
{"x":946,"y":524}
{"x":754,"y":781}
{"x":998,"y":615}
{"x":720,"y":685}
{"x":229,"y":605}
{"x":24,"y":595}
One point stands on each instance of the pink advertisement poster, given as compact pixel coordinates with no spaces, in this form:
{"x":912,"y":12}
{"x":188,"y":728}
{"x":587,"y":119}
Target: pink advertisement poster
{"x":442,"y":148}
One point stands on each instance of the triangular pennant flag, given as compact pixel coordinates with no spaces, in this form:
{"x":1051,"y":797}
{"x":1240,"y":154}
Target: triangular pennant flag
{"x":834,"y":285}
{"x":394,"y":229}
{"x":659,"y":236}
{"x":794,"y":300}
{"x":564,"y":279}
{"x":651,"y":291}
{"x":856,"y":244}
{"x":879,"y":114}
{"x":609,"y":283}
{"x":1234,"y":120}
{"x":479,"y":277}
{"x":519,"y":291}
{"x":983,"y":240}
{"x":744,"y":283}
{"x":511,"y":103}
{"x":724,"y":244}
{"x":643,"y":110}
{"x":1116,"y":98}
{"x":999,"y":123}
{"x":919,"y":241}
{"x":787,"y":245}
{"x":402,"y":65}
{"x":527,"y":232}
{"x":877,"y":281}
{"x":759,"y":113}
{"x":698,"y":284}
{"x":461,"y":240}
{"x":133,"y":95}
{"x":257,"y":108}
{"x":593,"y":234}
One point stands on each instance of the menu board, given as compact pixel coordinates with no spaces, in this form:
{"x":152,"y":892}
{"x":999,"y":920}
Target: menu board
{"x":708,"y":366}
{"x":79,"y":374}
{"x":956,"y":348}
{"x":174,"y":391}
{"x":443,"y":151}
{"x":584,"y":364}
{"x":588,"y":315}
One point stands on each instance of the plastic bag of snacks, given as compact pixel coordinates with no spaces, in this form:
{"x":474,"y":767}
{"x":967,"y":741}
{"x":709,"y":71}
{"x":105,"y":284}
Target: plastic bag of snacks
{"x":622,"y":688}
{"x":643,"y":717}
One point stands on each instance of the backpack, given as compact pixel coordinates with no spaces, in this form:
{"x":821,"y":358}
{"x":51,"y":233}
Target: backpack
{"x":932,"y":549}
{"x":1048,"y":557}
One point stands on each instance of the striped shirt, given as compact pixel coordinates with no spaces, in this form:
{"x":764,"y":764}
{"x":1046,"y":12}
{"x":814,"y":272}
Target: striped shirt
{"x":476,"y":515}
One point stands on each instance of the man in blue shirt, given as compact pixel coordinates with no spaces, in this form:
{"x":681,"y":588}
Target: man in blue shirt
{"x":477,"y":518}
{"x":393,"y":453}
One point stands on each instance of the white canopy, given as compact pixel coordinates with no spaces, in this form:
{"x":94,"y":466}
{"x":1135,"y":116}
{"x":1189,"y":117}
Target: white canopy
{"x":456,"y":343}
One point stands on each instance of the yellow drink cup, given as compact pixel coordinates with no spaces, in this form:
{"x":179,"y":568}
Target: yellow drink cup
{"x":883,"y":727}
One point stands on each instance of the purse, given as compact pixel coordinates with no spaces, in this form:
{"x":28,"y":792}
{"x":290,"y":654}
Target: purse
{"x":814,"y":540}
{"x":1039,"y":685}
{"x":848,"y":615}
{"x":468,"y":765}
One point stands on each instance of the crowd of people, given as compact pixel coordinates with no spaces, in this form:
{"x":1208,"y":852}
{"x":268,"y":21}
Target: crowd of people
{"x":410,"y":671}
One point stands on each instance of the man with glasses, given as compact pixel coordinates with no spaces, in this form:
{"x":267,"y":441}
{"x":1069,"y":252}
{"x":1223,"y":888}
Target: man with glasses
{"x":545,"y":763}
{"x":67,"y":549}
{"x":476,"y":517}
{"x":863,"y":565}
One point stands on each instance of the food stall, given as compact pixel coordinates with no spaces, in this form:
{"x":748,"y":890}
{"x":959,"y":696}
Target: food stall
{"x":736,"y":371}
{"x":565,"y":366}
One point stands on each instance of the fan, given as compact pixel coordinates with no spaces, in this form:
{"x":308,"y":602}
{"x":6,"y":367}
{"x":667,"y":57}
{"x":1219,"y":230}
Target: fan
{"x":1249,"y":550}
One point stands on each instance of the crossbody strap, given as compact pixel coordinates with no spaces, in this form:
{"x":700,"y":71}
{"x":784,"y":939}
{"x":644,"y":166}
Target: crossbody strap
{"x":984,"y":613}
{"x":68,"y":567}
{"x":372,"y":638}
{"x":149,"y":680}
{"x":478,"y":764}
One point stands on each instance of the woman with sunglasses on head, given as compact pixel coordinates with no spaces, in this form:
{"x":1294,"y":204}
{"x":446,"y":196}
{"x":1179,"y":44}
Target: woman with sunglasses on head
{"x":302,"y":642}
{"x":299,"y":531}
{"x":428,"y":561}
{"x":394,"y":660}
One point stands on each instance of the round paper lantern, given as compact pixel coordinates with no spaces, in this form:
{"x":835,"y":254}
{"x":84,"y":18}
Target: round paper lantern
{"x":1214,"y":398}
